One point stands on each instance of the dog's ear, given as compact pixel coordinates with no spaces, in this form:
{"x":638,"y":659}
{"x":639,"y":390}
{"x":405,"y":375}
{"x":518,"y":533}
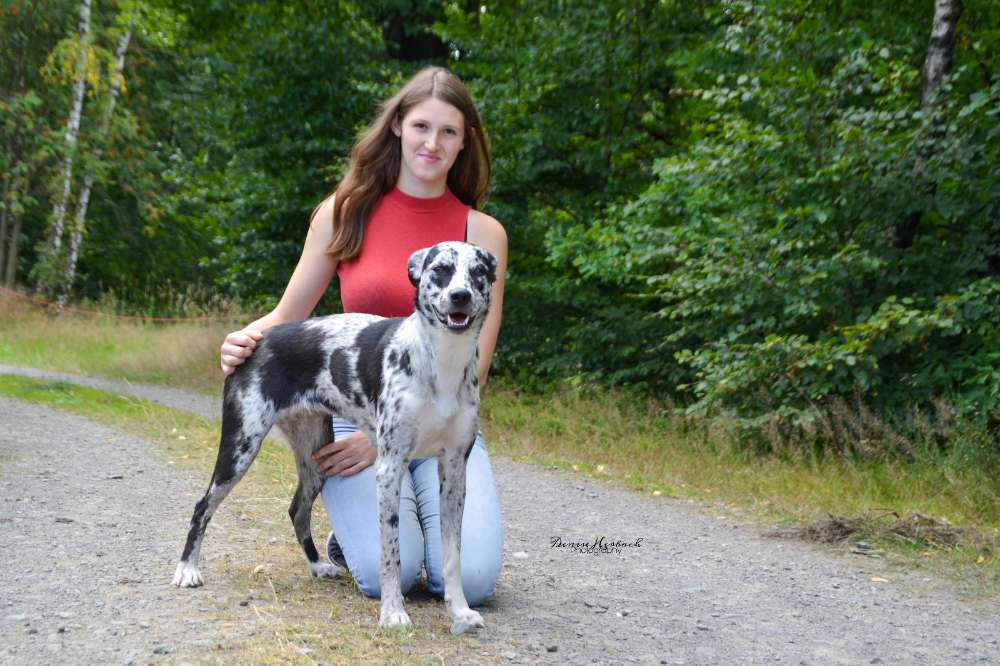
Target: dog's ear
{"x":415,"y":266}
{"x":489,"y":261}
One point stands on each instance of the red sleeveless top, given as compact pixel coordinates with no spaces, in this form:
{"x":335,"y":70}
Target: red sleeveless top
{"x":376,"y":281}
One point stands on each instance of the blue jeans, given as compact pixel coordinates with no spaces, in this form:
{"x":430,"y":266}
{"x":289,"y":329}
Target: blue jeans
{"x":351,"y":504}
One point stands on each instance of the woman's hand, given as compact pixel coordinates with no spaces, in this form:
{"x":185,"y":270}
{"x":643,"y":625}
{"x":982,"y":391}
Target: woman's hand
{"x":237,"y":348}
{"x":347,"y":456}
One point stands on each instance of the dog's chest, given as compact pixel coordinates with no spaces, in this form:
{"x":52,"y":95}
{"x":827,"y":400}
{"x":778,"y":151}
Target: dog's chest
{"x":445,"y":422}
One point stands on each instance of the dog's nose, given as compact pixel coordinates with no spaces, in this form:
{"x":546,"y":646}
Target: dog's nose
{"x":460,"y":297}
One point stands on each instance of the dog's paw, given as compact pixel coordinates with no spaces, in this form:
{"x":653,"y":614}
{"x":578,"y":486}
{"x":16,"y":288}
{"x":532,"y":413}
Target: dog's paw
{"x":393,"y":618}
{"x":320,"y":570}
{"x":187,"y":575}
{"x":466,"y":620}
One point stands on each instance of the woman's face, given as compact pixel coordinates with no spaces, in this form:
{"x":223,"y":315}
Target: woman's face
{"x":431,"y":135}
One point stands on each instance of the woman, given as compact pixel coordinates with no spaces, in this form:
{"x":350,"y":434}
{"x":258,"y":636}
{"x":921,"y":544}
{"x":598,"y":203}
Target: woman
{"x":416,"y":175}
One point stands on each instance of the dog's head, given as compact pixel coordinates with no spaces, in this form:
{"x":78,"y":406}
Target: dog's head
{"x":453,"y":283}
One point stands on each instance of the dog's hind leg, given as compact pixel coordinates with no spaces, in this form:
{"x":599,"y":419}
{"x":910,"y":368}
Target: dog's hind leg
{"x":451,"y":467}
{"x":306,"y":434}
{"x":239,"y":445}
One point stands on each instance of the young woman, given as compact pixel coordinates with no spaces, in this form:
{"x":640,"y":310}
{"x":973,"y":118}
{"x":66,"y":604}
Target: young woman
{"x":417,"y":175}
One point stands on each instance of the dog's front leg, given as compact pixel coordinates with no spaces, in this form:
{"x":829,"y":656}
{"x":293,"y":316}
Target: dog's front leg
{"x":452,"y":469}
{"x":389,"y":480}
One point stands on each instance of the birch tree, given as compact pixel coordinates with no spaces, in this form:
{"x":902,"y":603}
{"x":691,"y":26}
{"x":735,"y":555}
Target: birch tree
{"x":80,"y":219}
{"x":50,"y":272}
{"x":937,"y":64}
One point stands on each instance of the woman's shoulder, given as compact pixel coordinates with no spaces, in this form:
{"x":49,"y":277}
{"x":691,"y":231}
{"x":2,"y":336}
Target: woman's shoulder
{"x":481,"y":225}
{"x":485,"y":231}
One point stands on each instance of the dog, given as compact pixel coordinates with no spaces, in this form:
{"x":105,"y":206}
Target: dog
{"x":411,"y":384}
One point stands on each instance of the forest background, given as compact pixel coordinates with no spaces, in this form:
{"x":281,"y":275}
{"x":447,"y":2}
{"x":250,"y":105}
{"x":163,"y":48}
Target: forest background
{"x":784,"y":211}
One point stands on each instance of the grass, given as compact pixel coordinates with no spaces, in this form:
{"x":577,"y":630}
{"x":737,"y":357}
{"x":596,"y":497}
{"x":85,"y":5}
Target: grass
{"x":602,"y":434}
{"x":301,"y":619}
{"x":652,"y":450}
{"x":183,"y":355}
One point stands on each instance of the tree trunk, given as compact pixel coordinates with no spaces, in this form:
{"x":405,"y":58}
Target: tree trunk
{"x":13,"y":250}
{"x":937,"y":63}
{"x":3,"y":226}
{"x":72,"y":132}
{"x":80,"y":219}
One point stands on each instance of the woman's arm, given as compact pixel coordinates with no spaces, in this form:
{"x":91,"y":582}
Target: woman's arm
{"x":310,"y":279}
{"x":489,"y":234}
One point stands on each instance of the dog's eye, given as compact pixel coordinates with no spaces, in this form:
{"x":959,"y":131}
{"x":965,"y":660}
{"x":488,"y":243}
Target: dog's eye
{"x":441,"y":269}
{"x":478,"y":270}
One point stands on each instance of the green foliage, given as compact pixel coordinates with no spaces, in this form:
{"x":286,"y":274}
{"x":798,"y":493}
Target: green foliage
{"x":762,"y":248}
{"x":701,"y":197}
{"x":576,"y":119}
{"x":276,"y":99}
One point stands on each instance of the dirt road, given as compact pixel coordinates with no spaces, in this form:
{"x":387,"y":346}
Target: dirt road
{"x":90,"y":520}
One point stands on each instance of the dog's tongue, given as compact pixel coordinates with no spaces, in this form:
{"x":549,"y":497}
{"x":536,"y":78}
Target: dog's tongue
{"x":458,"y":318}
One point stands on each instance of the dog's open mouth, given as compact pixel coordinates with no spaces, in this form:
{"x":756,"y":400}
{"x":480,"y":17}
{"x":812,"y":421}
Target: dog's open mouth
{"x":455,"y":321}
{"x":458,"y":320}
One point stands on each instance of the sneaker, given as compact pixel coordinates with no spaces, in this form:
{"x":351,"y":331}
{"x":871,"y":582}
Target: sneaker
{"x":334,"y":552}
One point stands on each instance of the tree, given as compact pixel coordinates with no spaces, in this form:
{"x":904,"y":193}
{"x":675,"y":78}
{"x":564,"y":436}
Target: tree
{"x":80,"y":219}
{"x":27,"y":107}
{"x":759,"y":250}
{"x":50,"y":270}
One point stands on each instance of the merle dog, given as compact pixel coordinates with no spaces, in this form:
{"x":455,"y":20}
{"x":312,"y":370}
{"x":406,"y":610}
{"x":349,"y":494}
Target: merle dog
{"x":410,"y":383}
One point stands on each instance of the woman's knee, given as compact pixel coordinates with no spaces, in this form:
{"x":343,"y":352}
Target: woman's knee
{"x":366,"y":572}
{"x":478,"y":584}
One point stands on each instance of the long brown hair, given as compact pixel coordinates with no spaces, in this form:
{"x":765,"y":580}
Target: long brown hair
{"x":377,"y":156}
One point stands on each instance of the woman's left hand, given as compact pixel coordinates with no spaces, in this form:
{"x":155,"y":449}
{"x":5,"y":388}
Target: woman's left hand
{"x":346,"y":457}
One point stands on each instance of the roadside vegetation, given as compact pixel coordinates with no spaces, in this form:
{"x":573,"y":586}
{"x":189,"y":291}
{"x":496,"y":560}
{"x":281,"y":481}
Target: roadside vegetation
{"x":298,"y":619}
{"x":933,"y":508}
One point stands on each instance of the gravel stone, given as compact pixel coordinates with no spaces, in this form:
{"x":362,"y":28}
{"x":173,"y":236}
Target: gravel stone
{"x":770,"y":601}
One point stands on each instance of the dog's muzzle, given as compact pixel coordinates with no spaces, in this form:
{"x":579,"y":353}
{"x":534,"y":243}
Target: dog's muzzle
{"x":456,"y":312}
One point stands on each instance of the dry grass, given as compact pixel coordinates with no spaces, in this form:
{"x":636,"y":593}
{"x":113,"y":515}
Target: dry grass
{"x":300,"y":619}
{"x":613,"y":436}
{"x":184,"y":355}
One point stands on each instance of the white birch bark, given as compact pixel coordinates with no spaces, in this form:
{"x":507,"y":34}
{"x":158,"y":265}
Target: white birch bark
{"x":72,"y":132}
{"x":80,"y":219}
{"x":937,"y":63}
{"x":941,"y":50}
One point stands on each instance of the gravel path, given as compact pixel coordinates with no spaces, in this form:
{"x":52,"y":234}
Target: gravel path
{"x":91,"y":520}
{"x":701,"y":587}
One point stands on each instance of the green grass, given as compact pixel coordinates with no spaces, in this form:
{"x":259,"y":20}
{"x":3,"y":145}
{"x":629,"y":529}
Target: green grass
{"x":183,"y":355}
{"x":603,"y":434}
{"x":301,"y":619}
{"x":612,"y":436}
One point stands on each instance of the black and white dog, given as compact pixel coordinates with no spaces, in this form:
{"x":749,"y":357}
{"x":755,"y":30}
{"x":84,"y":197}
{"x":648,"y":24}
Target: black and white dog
{"x":411,"y":384}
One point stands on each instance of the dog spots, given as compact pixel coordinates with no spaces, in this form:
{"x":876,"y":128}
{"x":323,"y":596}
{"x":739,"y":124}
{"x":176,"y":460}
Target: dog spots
{"x":310,"y":550}
{"x":371,"y":342}
{"x":404,"y":364}
{"x":489,"y":262}
{"x":441,"y":275}
{"x":293,"y":361}
{"x":340,"y":370}
{"x":394,"y":520}
{"x":429,"y":258}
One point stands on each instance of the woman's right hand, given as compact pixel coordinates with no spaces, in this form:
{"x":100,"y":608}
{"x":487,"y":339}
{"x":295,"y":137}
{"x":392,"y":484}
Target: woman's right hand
{"x":237,"y":347}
